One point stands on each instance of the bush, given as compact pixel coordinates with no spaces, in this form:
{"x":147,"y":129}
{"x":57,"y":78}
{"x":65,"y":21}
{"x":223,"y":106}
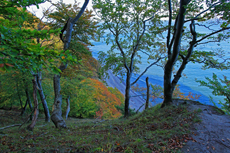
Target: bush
{"x":220,"y":87}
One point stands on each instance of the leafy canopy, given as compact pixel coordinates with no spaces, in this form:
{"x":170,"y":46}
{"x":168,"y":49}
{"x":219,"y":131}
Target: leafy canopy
{"x":19,"y":48}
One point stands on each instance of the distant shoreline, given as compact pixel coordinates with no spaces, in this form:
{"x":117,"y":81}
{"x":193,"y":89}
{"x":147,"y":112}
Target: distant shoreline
{"x":115,"y":82}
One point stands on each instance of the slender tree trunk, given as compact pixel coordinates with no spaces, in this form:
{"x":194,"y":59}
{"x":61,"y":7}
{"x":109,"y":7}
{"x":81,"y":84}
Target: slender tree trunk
{"x":147,"y":99}
{"x":127,"y":93}
{"x":56,"y":116}
{"x":57,"y":112}
{"x":36,"y":111}
{"x":19,"y":96}
{"x":43,"y":98}
{"x":24,"y":108}
{"x":27,"y":100}
{"x":68,"y":107}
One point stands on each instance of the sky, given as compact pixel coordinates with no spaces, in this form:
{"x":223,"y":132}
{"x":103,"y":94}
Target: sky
{"x":38,"y":12}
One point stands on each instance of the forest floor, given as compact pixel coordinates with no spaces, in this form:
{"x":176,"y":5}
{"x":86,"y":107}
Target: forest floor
{"x":187,"y":126}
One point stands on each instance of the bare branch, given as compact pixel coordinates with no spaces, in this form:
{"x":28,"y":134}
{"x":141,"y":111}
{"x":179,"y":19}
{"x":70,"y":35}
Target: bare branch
{"x":212,"y":34}
{"x":81,"y":11}
{"x":196,"y":17}
{"x":139,"y":39}
{"x":207,"y":42}
{"x":9,"y":126}
{"x":147,"y":69}
{"x":208,"y":27}
{"x":207,"y":9}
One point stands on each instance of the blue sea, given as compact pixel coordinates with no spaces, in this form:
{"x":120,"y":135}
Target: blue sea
{"x":193,"y":71}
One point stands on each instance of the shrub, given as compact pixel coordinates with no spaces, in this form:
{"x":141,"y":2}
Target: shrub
{"x":220,"y":87}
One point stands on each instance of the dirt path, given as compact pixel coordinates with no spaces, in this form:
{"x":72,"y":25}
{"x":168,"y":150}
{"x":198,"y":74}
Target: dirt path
{"x":212,"y":134}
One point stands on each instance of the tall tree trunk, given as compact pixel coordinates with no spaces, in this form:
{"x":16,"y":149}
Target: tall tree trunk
{"x":168,"y":88}
{"x":42,"y":97}
{"x":127,"y":93}
{"x":68,"y":107}
{"x":36,"y":111}
{"x":57,"y":112}
{"x":56,"y":116}
{"x":147,"y":99}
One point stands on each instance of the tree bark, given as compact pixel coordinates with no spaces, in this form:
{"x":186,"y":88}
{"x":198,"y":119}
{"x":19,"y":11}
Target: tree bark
{"x":36,"y":111}
{"x":147,"y":99}
{"x":68,"y":107}
{"x":43,"y":98}
{"x":57,"y":112}
{"x":127,"y":93}
{"x":56,"y":116}
{"x":168,"y":88}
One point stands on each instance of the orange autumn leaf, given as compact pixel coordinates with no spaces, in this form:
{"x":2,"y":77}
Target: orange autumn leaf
{"x":106,"y":101}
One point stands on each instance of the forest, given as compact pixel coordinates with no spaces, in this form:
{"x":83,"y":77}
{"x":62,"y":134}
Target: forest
{"x":53,"y":93}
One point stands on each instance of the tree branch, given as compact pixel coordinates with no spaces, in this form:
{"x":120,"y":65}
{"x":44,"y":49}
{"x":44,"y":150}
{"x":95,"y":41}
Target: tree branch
{"x":212,"y":34}
{"x":9,"y":126}
{"x":146,"y":70}
{"x":170,"y":22}
{"x":185,"y":60}
{"x":139,"y":39}
{"x":81,"y":11}
{"x":196,"y":17}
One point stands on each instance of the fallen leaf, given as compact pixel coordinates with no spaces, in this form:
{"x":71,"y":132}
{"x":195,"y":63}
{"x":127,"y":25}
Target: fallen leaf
{"x":213,"y":148}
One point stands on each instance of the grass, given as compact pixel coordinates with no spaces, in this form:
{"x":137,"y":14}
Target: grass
{"x":154,"y":130}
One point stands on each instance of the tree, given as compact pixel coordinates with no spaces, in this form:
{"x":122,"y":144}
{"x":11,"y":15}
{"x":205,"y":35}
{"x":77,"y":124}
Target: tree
{"x":185,"y":14}
{"x":18,"y":48}
{"x":21,"y":44}
{"x":220,"y":87}
{"x":36,"y":111}
{"x":22,"y":37}
{"x":130,"y":34}
{"x":84,"y":30}
{"x":56,"y":116}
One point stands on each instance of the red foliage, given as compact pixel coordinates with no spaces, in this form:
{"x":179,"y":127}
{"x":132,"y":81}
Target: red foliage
{"x":104,"y":99}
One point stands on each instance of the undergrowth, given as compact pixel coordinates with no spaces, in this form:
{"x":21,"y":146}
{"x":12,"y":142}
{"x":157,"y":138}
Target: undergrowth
{"x":154,"y":130}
